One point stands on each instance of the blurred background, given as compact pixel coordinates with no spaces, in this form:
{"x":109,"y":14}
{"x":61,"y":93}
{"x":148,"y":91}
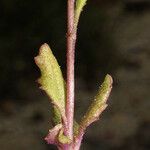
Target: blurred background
{"x":113,"y":37}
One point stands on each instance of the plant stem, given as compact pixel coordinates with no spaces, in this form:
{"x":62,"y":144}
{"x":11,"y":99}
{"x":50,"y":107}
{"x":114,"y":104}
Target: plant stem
{"x":71,"y":39}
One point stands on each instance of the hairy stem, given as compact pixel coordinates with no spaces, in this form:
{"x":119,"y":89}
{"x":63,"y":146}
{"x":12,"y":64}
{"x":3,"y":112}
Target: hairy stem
{"x":71,"y":39}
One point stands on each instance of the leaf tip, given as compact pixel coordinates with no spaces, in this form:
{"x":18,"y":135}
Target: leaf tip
{"x":44,"y":46}
{"x":109,"y":79}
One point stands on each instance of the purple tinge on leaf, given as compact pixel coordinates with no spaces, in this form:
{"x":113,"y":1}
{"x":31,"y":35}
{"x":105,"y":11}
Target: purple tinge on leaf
{"x":95,"y":109}
{"x":51,"y":138}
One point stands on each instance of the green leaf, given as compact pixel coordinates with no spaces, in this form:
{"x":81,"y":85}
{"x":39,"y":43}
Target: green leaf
{"x":79,"y":7}
{"x":98,"y":105}
{"x":75,"y":128}
{"x":63,"y":139}
{"x":51,"y":80}
{"x":56,"y":116}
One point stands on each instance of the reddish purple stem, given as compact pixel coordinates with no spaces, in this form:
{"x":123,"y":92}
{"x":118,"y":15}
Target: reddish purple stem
{"x":71,"y":39}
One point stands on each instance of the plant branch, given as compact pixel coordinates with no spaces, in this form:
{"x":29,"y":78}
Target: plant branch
{"x":71,"y":39}
{"x":67,"y":134}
